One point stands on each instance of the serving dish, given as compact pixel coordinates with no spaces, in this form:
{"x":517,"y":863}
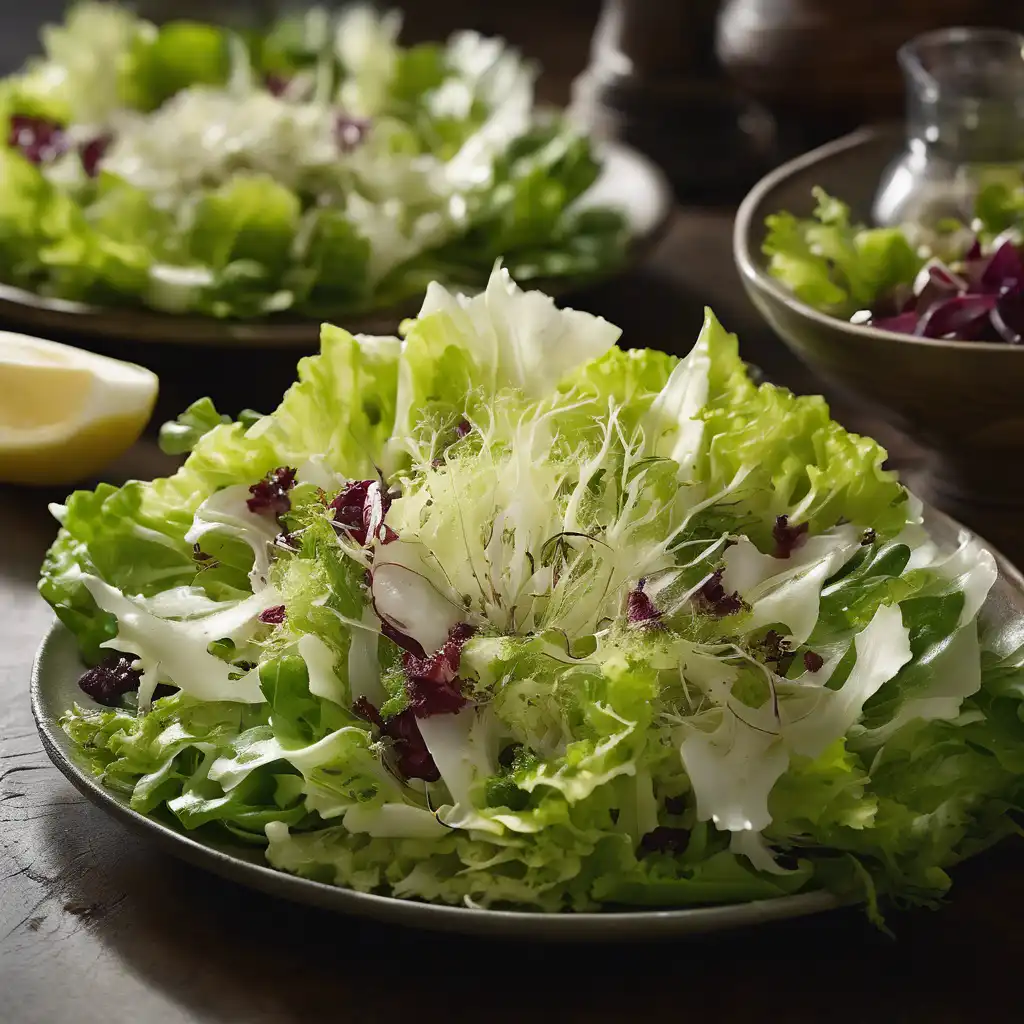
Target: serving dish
{"x":628,"y":181}
{"x":54,"y":687}
{"x":959,"y":400}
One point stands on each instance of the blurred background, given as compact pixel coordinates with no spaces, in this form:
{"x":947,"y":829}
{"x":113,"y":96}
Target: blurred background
{"x":715,"y":90}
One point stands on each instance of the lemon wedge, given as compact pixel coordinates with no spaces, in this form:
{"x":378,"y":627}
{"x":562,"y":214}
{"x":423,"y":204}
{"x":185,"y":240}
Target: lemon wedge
{"x":65,"y":413}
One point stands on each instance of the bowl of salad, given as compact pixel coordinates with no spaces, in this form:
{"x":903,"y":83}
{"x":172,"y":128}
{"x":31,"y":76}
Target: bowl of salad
{"x":189,"y":182}
{"x":925,"y":325}
{"x":504,"y":627}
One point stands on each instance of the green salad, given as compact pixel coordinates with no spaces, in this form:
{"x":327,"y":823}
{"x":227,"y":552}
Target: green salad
{"x":501,"y":614}
{"x":946,"y":281}
{"x":316,"y":169}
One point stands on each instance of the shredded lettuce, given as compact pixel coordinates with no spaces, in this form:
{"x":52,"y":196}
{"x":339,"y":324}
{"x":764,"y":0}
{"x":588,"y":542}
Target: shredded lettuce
{"x":501,"y":614}
{"x":319,"y":167}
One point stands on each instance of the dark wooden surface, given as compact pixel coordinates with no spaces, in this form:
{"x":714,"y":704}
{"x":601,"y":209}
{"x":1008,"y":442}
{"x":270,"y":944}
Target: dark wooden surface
{"x":96,"y":927}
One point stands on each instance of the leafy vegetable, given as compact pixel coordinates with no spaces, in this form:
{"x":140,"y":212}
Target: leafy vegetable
{"x":504,"y":615}
{"x":875,"y":277}
{"x":318,"y":167}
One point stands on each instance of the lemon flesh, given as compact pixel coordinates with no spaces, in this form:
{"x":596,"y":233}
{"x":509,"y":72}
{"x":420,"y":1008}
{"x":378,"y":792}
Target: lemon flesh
{"x":66,"y":413}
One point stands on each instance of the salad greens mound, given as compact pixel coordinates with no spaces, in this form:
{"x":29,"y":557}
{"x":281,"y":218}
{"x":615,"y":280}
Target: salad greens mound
{"x":317,"y":167}
{"x":500,"y":614}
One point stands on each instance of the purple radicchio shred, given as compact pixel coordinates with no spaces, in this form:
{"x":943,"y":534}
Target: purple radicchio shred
{"x":92,"y":152}
{"x":813,"y":661}
{"x":665,"y":839}
{"x":787,"y":538}
{"x":276,"y":85}
{"x":360,"y":509}
{"x":433,"y":683}
{"x":348,"y":509}
{"x":463,"y":428}
{"x":375,"y":508}
{"x":981,"y":298}
{"x":713,"y":599}
{"x":413,"y":757}
{"x":273,"y":616}
{"x":37,"y":139}
{"x":270,"y":495}
{"x":349,"y":132}
{"x":675,"y":804}
{"x":107,"y":682}
{"x":640,"y":609}
{"x":775,"y":651}
{"x":406,"y":642}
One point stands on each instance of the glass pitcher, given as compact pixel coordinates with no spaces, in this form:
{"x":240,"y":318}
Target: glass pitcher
{"x":965,"y":124}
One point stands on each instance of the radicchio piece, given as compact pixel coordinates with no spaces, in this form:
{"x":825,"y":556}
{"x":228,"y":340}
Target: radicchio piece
{"x":433,"y":683}
{"x":375,"y":508}
{"x":1008,"y":317}
{"x":675,"y":804}
{"x":349,"y":132}
{"x":1004,"y":272}
{"x":413,"y":757}
{"x":37,"y":139}
{"x":775,"y":651}
{"x":414,"y":760}
{"x":813,"y":661}
{"x":110,"y":680}
{"x":273,"y":616}
{"x":665,"y":839}
{"x":406,"y":642}
{"x":463,"y":428}
{"x":91,"y":153}
{"x":640,"y":610}
{"x":981,"y":300}
{"x":787,"y":538}
{"x":270,"y":495}
{"x":713,"y":598}
{"x":360,"y":509}
{"x":276,"y":85}
{"x":965,"y":317}
{"x":348,"y":509}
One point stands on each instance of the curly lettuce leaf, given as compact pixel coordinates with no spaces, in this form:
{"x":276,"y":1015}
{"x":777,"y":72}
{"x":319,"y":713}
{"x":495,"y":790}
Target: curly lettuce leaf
{"x":834,"y":265}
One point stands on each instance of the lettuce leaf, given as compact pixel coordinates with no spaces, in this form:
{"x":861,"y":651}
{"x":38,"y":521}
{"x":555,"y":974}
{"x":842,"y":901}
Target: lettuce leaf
{"x":834,"y":265}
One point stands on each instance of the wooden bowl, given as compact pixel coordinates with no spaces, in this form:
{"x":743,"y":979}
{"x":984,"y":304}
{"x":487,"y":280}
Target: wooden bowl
{"x":962,"y":400}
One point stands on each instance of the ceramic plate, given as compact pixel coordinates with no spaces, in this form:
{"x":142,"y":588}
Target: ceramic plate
{"x":54,"y":688}
{"x":628,"y":181}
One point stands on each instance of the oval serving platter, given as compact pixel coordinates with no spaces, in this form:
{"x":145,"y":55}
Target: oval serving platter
{"x":628,"y":181}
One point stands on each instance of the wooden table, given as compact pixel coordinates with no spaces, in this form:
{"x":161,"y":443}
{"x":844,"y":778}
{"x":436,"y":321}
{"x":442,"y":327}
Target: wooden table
{"x":96,"y":927}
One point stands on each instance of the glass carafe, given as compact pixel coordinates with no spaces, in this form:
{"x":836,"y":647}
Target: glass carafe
{"x":965,"y":124}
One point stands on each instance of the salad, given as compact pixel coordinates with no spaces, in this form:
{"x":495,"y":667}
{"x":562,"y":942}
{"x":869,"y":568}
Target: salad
{"x":950,"y":282}
{"x":317,"y":168}
{"x":501,"y":614}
